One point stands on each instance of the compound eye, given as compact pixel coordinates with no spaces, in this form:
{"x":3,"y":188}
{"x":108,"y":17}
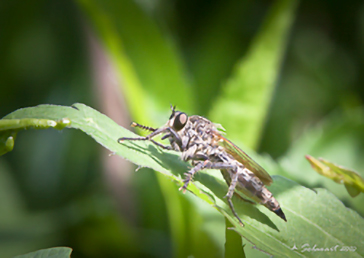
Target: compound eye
{"x":180,"y":121}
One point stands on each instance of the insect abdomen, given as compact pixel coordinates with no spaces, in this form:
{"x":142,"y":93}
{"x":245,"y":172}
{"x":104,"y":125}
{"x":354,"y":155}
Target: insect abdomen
{"x":271,"y":203}
{"x":251,"y":186}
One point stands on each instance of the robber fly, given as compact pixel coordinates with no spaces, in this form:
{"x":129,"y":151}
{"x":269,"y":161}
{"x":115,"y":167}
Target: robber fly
{"x":200,"y":142}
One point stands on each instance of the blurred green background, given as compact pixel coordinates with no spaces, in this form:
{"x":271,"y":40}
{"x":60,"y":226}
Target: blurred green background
{"x":63,"y":189}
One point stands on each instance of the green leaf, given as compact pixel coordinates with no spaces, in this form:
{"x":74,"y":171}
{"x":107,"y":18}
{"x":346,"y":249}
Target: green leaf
{"x":314,"y":217}
{"x":55,"y":252}
{"x":100,"y":127}
{"x":26,"y":123}
{"x":210,"y":58}
{"x":7,"y":141}
{"x":243,"y":104}
{"x":233,"y":243}
{"x":353,"y":182}
{"x":10,"y":127}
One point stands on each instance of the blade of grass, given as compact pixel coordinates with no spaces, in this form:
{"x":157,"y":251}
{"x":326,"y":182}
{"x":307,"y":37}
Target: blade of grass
{"x":147,"y":62}
{"x":243,"y":105}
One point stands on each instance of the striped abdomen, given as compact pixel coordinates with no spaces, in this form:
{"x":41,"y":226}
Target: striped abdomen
{"x":251,"y":186}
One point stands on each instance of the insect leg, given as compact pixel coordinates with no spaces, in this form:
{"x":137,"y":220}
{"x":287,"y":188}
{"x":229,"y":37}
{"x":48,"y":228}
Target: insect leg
{"x":176,"y":137}
{"x":161,"y":145}
{"x":120,"y":140}
{"x":232,"y":186}
{"x":166,"y":136}
{"x":230,"y":193}
{"x":149,"y":137}
{"x":200,"y":166}
{"x":218,"y":165}
{"x":190,"y":174}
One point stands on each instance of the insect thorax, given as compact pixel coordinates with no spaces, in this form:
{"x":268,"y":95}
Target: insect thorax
{"x":199,"y":141}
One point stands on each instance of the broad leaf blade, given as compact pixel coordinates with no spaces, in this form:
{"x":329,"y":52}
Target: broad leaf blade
{"x":317,"y":218}
{"x":102,"y":129}
{"x":243,"y":104}
{"x":314,"y":218}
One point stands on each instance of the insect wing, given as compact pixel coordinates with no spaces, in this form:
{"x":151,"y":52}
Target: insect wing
{"x":243,"y":158}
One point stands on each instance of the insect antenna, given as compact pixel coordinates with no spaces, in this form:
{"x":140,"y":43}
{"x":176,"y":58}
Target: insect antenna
{"x":133,"y":124}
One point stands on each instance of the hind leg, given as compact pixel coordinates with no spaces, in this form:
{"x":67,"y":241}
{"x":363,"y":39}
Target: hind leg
{"x":200,"y":166}
{"x":230,"y":194}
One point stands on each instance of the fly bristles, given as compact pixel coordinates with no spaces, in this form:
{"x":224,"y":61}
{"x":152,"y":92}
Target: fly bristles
{"x":133,"y":124}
